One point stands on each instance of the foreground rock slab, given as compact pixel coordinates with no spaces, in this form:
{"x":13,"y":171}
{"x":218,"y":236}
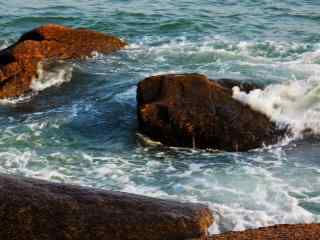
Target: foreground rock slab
{"x":19,"y":62}
{"x":189,"y":110}
{"x":280,"y":232}
{"x":33,"y":209}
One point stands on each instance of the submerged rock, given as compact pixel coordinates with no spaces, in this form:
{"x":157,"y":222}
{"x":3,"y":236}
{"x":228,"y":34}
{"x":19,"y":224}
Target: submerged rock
{"x":189,"y":110}
{"x":19,"y":62}
{"x":35,"y":209}
{"x":279,"y":232}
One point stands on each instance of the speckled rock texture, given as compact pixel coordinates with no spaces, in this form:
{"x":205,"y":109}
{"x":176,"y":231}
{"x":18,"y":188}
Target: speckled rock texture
{"x":33,"y":209}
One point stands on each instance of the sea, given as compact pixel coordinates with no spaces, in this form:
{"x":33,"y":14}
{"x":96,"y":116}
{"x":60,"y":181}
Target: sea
{"x":79,"y":124}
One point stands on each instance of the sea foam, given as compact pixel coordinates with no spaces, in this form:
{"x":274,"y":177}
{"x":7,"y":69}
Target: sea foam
{"x":295,"y":103}
{"x":51,"y":75}
{"x":48,"y":75}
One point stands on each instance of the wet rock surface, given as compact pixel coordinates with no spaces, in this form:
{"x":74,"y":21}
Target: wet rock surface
{"x":280,"y":232}
{"x":19,"y":62}
{"x":189,"y":110}
{"x":34,"y":209}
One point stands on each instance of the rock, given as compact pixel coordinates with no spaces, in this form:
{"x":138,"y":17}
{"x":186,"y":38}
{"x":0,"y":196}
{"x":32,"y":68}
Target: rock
{"x":33,"y":209}
{"x":19,"y":62}
{"x":279,"y":232}
{"x":189,"y":110}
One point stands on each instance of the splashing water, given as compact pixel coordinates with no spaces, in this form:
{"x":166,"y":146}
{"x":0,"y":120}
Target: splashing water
{"x":294,"y":103}
{"x":51,"y":75}
{"x":3,"y":44}
{"x":84,"y":130}
{"x":48,"y":75}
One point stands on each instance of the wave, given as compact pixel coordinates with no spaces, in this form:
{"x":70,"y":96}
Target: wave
{"x":264,"y":61}
{"x":48,"y":75}
{"x":295,"y":103}
{"x":17,"y":100}
{"x":239,"y":219}
{"x":252,"y":51}
{"x":242,"y":194}
{"x":53,"y":74}
{"x":290,"y":70}
{"x":3,"y":44}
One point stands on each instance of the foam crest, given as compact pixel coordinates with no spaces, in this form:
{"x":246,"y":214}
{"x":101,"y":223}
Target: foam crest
{"x":17,"y":100}
{"x":238,"y":218}
{"x":255,"y":52}
{"x":51,"y":75}
{"x":3,"y":44}
{"x":246,"y":196}
{"x":294,"y":103}
{"x":48,"y":76}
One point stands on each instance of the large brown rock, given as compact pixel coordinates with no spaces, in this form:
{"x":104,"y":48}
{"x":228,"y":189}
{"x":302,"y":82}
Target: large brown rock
{"x":279,"y":232}
{"x":33,"y":209}
{"x":19,"y":62}
{"x":189,"y":110}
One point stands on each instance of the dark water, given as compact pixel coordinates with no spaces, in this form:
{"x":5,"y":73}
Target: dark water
{"x":84,"y":130}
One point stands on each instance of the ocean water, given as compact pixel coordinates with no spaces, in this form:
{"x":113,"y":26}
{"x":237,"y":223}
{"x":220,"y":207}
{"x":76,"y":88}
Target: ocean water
{"x":79,"y":125}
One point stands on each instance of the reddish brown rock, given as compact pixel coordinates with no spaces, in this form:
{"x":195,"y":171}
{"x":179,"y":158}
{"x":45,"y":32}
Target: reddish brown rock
{"x":33,"y":209}
{"x":19,"y":62}
{"x":280,"y":232}
{"x":190,"y":110}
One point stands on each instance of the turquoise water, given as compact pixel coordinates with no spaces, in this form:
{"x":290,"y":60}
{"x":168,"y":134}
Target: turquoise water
{"x":83,"y":131}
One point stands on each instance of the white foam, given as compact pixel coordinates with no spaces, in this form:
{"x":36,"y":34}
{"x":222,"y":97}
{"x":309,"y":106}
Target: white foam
{"x":242,"y":194}
{"x":238,"y":218}
{"x":52,"y":76}
{"x":127,"y":96}
{"x":242,"y":197}
{"x":257,"y":52}
{"x":294,"y":103}
{"x":17,"y":100}
{"x":55,"y":75}
{"x":3,"y":44}
{"x":266,"y":202}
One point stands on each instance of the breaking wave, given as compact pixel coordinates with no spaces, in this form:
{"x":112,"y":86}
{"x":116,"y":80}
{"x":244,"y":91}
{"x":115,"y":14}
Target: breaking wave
{"x":90,"y":140}
{"x":289,"y":70}
{"x":3,"y":44}
{"x":48,"y":75}
{"x":294,"y":102}
{"x":51,"y":75}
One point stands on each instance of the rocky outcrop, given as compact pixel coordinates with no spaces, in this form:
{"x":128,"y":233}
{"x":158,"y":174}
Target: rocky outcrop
{"x":280,"y":232}
{"x":19,"y":62}
{"x":189,"y":110}
{"x":33,"y":209}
